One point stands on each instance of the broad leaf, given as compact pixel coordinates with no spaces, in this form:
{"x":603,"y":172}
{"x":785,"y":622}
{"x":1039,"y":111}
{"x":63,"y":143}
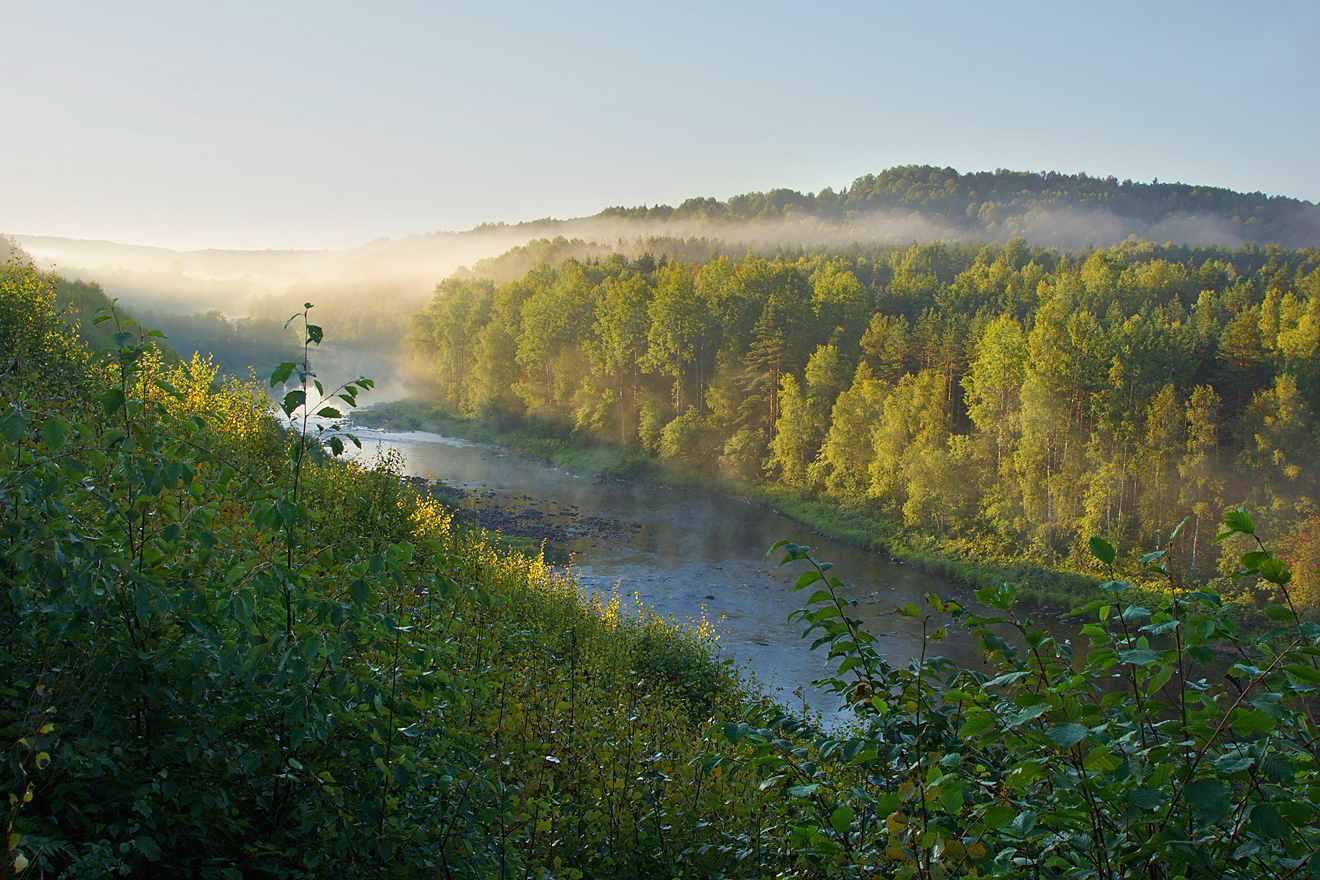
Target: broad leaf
{"x":1065,"y":736}
{"x":281,"y":374}
{"x":112,"y":401}
{"x":1208,"y":798}
{"x":1103,"y":550}
{"x":293,"y":400}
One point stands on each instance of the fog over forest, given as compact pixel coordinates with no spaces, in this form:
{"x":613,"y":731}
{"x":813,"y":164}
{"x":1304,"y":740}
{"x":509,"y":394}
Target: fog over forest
{"x":231,"y":302}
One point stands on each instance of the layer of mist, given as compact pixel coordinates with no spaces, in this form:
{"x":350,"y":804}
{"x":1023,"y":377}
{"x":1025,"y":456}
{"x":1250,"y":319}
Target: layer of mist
{"x":405,"y":271}
{"x":366,"y":296}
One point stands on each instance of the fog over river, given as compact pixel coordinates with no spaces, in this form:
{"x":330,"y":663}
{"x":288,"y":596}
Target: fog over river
{"x":683,"y":552}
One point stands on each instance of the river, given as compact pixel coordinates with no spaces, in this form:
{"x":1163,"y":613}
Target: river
{"x":687,"y":553}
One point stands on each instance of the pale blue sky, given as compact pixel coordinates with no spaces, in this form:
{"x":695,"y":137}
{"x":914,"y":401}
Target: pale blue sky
{"x":326,"y":124}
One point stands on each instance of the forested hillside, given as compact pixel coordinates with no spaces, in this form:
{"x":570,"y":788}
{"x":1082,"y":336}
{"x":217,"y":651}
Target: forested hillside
{"x":1046,"y":207}
{"x":1012,"y":399}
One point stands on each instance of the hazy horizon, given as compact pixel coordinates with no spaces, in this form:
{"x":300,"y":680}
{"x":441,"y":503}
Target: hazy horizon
{"x":407,"y":269}
{"x":326,"y":127}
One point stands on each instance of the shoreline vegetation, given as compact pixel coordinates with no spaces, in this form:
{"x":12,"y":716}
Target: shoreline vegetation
{"x":980,"y":409}
{"x":1052,"y":591}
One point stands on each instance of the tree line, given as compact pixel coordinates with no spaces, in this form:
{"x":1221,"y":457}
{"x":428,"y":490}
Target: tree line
{"x":1013,"y":398}
{"x":993,"y":204}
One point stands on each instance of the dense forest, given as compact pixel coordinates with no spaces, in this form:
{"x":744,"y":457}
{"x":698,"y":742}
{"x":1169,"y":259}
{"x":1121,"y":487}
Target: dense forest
{"x":1012,"y":400}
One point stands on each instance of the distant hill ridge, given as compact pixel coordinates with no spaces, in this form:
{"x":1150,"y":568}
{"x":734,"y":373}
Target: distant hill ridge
{"x":1001,"y":203}
{"x":909,"y":203}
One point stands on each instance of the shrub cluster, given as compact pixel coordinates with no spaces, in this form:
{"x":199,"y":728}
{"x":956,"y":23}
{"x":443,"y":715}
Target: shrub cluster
{"x":1171,"y":746}
{"x":225,"y":652}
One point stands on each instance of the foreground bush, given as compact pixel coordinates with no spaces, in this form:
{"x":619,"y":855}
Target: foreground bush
{"x":224,"y":653}
{"x":1173,"y":746}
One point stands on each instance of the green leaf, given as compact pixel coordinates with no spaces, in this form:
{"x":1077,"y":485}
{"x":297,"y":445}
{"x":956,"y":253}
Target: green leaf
{"x":54,"y":433}
{"x":1281,"y":613}
{"x":807,"y":578}
{"x":112,"y":401}
{"x":1023,"y":823}
{"x":168,"y":388}
{"x":1254,"y":559}
{"x":1100,"y":760}
{"x":314,"y":334}
{"x":328,"y":412}
{"x":842,"y":818}
{"x":1148,"y":559}
{"x":1027,"y":714}
{"x":1273,"y":571}
{"x":1065,"y":736}
{"x":336,"y":446}
{"x":148,"y":847}
{"x":978,"y":721}
{"x":1103,"y":550}
{"x":1250,"y":721}
{"x":282,"y":373}
{"x":1139,"y":656}
{"x":822,"y":596}
{"x":1266,"y":821}
{"x":952,"y":797}
{"x":1208,"y":798}
{"x":1146,"y":799}
{"x":998,"y":816}
{"x":1234,"y":762}
{"x":293,"y":400}
{"x":359,"y":592}
{"x":1238,"y":521}
{"x":12,"y":426}
{"x":1305,"y":673}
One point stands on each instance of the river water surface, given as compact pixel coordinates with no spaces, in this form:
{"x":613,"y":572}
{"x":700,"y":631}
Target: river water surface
{"x":687,"y":553}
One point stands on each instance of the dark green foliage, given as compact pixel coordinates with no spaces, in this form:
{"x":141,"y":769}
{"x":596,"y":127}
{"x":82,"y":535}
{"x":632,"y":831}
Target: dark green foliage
{"x":1168,"y":746}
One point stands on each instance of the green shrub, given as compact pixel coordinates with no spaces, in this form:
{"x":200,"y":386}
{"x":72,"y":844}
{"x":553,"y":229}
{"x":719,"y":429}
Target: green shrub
{"x":1172,"y":746}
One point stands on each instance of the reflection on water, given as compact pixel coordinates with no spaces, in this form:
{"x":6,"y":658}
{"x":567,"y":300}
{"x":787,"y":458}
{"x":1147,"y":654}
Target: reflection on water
{"x":685,"y":553}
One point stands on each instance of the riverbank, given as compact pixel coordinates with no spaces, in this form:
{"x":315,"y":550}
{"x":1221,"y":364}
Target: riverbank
{"x":1051,"y":590}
